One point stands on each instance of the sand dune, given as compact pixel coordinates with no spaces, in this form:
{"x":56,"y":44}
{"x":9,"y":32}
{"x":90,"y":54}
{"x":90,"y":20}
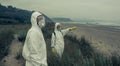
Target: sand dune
{"x":104,"y":39}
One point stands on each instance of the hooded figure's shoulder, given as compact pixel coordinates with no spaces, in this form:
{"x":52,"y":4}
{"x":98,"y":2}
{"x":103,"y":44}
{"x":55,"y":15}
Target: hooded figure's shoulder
{"x":33,"y":32}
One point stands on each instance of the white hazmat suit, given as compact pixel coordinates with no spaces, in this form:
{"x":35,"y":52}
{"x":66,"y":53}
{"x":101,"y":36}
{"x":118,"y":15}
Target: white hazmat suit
{"x":34,"y":50}
{"x":57,"y":40}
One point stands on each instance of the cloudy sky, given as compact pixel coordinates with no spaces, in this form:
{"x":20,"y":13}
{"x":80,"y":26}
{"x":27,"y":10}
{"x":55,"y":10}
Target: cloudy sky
{"x":92,"y":9}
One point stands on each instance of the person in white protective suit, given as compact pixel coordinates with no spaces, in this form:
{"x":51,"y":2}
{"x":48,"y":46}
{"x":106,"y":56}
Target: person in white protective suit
{"x":34,"y":49}
{"x":57,"y":41}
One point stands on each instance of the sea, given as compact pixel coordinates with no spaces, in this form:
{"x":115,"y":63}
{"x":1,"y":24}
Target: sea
{"x":115,"y":25}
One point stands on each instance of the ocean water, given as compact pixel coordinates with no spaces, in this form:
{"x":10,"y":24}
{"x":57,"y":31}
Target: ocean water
{"x":115,"y":25}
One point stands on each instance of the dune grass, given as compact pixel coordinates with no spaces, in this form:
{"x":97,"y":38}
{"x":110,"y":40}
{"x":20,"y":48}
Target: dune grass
{"x":78,"y":52}
{"x":6,"y":36}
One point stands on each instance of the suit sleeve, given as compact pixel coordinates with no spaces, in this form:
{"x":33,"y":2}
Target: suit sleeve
{"x":65,"y":31}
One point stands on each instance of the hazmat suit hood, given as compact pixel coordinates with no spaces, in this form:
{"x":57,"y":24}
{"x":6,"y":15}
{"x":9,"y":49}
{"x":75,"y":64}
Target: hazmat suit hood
{"x":34,"y":20}
{"x":56,"y":29}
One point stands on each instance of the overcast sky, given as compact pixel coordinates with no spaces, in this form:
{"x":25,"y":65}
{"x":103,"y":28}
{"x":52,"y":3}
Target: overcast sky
{"x":92,"y":9}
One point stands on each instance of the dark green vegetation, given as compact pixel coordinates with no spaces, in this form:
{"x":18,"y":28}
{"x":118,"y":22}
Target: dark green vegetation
{"x":5,"y":40}
{"x":7,"y":35}
{"x":13,"y":15}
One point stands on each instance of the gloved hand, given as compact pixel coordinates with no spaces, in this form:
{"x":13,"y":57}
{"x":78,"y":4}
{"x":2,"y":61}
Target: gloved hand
{"x":53,"y":50}
{"x":73,"y":28}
